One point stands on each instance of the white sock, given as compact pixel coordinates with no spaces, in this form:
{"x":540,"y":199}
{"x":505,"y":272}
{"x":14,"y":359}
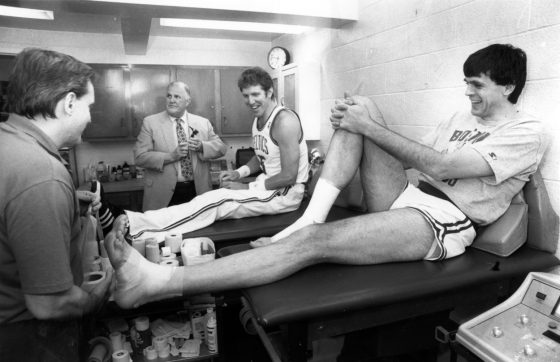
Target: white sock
{"x":323,"y":198}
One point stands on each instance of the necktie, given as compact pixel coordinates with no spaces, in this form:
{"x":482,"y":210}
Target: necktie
{"x":186,"y":162}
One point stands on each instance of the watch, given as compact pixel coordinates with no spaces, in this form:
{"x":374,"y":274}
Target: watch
{"x":278,"y":57}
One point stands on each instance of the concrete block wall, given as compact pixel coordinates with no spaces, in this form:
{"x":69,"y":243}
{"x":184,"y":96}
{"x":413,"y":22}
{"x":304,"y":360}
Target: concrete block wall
{"x":407,"y":55}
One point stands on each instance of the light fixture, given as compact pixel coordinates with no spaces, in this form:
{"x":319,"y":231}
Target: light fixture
{"x":26,"y":13}
{"x":234,"y":25}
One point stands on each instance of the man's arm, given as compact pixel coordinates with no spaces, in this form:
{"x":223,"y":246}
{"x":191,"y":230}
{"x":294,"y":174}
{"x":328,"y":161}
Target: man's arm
{"x":213,"y":146}
{"x":145,"y":155}
{"x":73,"y":303}
{"x":286,"y":131}
{"x":364,"y":118}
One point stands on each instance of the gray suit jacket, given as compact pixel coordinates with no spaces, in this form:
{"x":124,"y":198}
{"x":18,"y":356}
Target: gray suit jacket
{"x":156,"y":138}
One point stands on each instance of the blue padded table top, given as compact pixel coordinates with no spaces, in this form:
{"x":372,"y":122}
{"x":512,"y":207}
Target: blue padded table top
{"x":328,"y":289}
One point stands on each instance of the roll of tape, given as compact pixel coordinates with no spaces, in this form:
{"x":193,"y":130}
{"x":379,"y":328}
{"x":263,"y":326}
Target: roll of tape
{"x":170,"y":262}
{"x":173,"y":241}
{"x":94,"y":264}
{"x":121,"y":356}
{"x":169,"y":257}
{"x":164,"y":352}
{"x":159,"y":342}
{"x":150,"y":353}
{"x":151,"y":240}
{"x":152,"y":252}
{"x":140,"y":245}
{"x":117,"y":341}
{"x":92,"y":279}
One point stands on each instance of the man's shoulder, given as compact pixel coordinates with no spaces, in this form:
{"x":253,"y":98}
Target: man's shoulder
{"x":157,"y":117}
{"x":197,"y":119}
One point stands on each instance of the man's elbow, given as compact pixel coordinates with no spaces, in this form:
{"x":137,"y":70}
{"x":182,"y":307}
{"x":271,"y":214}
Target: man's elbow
{"x":43,"y":312}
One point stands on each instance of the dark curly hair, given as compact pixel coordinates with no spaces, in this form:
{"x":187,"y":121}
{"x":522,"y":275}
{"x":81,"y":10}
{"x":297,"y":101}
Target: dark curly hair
{"x":503,"y":63}
{"x":255,"y":76}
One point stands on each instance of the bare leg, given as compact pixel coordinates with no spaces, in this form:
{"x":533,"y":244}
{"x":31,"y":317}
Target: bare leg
{"x":396,"y":235}
{"x":341,"y":164}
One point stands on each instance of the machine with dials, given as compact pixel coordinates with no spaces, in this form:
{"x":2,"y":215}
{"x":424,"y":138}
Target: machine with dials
{"x":526,"y":327}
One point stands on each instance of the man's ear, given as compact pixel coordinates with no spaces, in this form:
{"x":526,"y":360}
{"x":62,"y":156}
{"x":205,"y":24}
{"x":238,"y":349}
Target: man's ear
{"x":509,"y":88}
{"x":69,"y":102}
{"x":270,"y":92}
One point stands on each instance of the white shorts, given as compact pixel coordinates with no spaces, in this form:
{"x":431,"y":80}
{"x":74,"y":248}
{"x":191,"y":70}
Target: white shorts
{"x":453,"y":230}
{"x":211,"y":206}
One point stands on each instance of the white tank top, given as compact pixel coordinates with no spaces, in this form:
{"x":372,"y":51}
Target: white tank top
{"x":268,"y":151}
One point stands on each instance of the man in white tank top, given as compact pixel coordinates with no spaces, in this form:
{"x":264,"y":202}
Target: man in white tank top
{"x":280,"y":154}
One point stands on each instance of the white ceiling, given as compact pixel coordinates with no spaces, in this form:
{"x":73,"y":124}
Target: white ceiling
{"x":137,"y":22}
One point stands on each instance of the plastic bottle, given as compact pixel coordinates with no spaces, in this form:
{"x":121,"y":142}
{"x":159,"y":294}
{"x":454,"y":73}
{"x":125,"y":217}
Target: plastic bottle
{"x":126,"y":171}
{"x":100,"y":170}
{"x":113,"y":174}
{"x":212,"y":334}
{"x":141,"y":335}
{"x":119,"y":173}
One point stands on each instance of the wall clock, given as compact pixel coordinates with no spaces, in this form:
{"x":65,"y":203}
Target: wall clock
{"x":278,"y":57}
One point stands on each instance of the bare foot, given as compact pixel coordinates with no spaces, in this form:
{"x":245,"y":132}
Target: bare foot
{"x":260,"y":242}
{"x":139,"y":281}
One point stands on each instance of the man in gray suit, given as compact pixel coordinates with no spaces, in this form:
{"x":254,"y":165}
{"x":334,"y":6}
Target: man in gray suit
{"x":174,"y":147}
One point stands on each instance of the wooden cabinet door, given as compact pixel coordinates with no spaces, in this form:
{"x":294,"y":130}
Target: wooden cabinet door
{"x":236,"y":117}
{"x":109,"y":118}
{"x":201,"y":82}
{"x":148,"y":92}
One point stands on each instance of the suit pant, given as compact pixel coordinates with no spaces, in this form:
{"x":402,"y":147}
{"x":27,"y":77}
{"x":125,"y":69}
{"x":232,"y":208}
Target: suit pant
{"x":184,"y":192}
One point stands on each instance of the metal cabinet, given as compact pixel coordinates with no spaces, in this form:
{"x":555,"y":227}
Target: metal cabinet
{"x":109,"y":115}
{"x":298,"y":87}
{"x":126,"y":94}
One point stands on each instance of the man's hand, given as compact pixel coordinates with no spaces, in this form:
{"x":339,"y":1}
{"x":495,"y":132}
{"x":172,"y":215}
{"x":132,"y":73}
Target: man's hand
{"x":101,"y":292}
{"x":194,"y":144}
{"x":235,"y":185}
{"x":229,"y":176}
{"x":354,"y":114}
{"x":181,"y":151}
{"x":89,"y":202}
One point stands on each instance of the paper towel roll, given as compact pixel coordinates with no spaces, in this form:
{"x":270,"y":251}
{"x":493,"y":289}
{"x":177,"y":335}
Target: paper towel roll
{"x":92,"y":279}
{"x":121,"y":356}
{"x":174,"y":242}
{"x":140,"y":245}
{"x":170,"y":262}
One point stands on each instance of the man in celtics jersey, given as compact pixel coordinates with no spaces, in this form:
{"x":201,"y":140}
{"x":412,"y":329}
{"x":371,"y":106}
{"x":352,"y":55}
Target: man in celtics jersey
{"x":280,"y":156}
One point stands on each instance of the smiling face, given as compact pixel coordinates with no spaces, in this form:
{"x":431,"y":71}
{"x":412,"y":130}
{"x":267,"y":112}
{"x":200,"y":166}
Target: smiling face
{"x":258,"y":100}
{"x":487,"y":98}
{"x":177,"y":100}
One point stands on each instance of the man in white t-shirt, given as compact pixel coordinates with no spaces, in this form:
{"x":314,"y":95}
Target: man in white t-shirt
{"x":471,"y":166}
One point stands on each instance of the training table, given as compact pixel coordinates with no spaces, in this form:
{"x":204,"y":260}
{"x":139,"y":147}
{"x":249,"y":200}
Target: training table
{"x":330,"y":300}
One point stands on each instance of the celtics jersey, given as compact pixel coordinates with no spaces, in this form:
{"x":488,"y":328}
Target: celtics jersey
{"x":268,"y":152}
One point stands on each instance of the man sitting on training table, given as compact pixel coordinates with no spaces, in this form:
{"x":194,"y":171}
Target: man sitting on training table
{"x":471,"y":167}
{"x":280,"y":153}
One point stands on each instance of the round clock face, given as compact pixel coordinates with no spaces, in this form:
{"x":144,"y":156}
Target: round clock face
{"x":278,"y":57}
